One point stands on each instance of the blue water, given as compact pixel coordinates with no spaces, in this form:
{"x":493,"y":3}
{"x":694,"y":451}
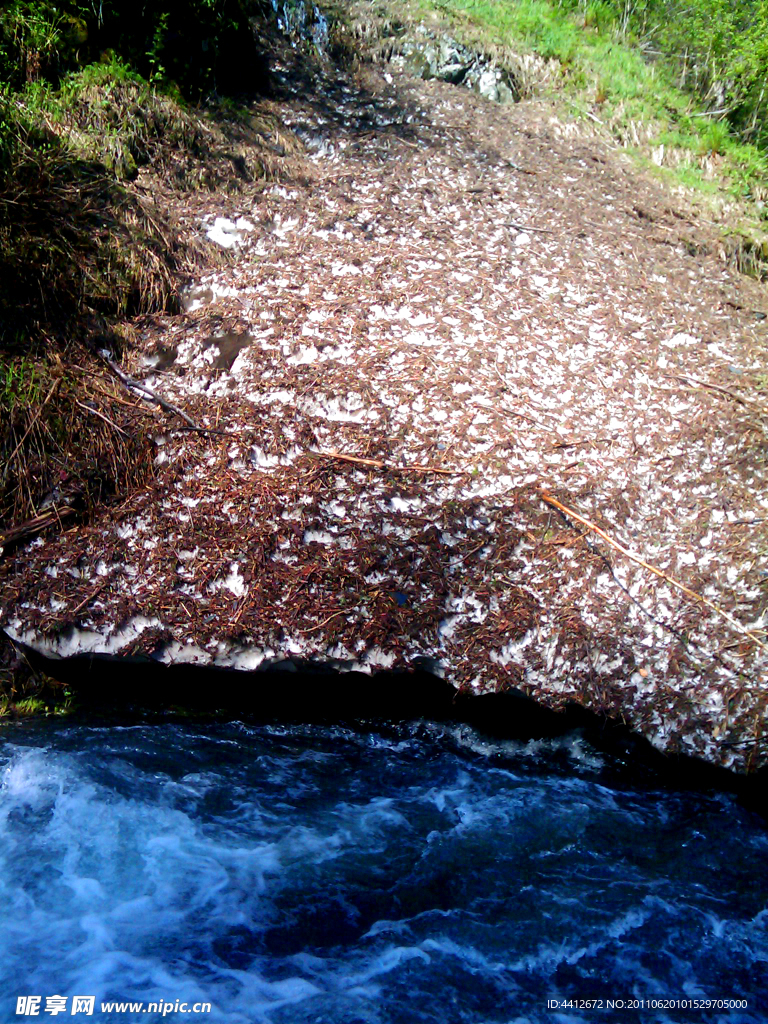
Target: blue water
{"x":407,"y":876}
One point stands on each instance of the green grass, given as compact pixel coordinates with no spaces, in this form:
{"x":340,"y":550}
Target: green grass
{"x":19,"y":384}
{"x":603,"y":71}
{"x":536,"y":24}
{"x":30,"y":706}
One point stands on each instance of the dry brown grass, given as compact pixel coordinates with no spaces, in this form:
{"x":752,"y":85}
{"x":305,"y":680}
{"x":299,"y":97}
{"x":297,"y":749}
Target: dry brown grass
{"x":74,"y":246}
{"x":92,"y":205}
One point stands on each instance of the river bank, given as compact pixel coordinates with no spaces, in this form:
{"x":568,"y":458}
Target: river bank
{"x":460,"y":341}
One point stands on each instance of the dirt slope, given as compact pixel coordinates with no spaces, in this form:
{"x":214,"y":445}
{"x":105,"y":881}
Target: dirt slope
{"x":487,"y":306}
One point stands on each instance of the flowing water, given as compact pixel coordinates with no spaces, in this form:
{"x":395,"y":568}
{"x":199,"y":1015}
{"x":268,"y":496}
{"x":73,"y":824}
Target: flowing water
{"x":408,"y":874}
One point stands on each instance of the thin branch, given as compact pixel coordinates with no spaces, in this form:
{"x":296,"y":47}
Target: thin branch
{"x":314,"y":629}
{"x":206,"y":430}
{"x":149,"y":395}
{"x":550,"y":500}
{"x":378,"y":464}
{"x":527,"y":227}
{"x":36,"y":525}
{"x":720,"y":390}
{"x":87,"y":600}
{"x":686,"y":641}
{"x":106,"y":419}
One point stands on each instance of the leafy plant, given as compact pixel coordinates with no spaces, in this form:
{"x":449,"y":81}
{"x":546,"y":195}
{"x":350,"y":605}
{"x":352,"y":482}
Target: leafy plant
{"x":30,"y":706}
{"x":715,"y":137}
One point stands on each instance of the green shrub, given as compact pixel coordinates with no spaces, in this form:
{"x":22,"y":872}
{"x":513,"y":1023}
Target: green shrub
{"x":715,"y":137}
{"x":200,"y":45}
{"x":717,"y":49}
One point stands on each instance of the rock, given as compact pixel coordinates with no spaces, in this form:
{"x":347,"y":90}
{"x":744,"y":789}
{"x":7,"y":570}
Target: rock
{"x":447,"y":60}
{"x":494,"y":83}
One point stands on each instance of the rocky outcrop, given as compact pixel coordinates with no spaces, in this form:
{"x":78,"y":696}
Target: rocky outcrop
{"x":428,"y":55}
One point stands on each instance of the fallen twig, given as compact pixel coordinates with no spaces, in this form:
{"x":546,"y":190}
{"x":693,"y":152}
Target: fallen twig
{"x":517,"y":167}
{"x":314,"y":629}
{"x":392,"y":135}
{"x":528,"y":227}
{"x":550,"y":500}
{"x":35,"y":525}
{"x":206,"y":430}
{"x":719,"y":389}
{"x":581,"y":444}
{"x":106,"y":419}
{"x":378,"y":464}
{"x":149,"y":395}
{"x":87,"y":600}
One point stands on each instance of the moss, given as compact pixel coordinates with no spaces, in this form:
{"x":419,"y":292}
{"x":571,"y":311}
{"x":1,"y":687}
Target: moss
{"x":25,"y":692}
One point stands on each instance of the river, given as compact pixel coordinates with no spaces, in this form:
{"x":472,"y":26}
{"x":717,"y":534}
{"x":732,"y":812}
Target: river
{"x":415,"y":873}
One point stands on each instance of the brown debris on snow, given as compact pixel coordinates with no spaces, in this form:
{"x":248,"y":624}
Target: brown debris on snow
{"x":415,"y":301}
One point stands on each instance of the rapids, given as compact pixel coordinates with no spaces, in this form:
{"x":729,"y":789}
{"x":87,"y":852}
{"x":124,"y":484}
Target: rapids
{"x":402,"y":875}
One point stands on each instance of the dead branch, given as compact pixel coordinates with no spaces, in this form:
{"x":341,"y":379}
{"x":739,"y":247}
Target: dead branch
{"x":314,"y":629}
{"x":206,"y":430}
{"x":87,"y":600}
{"x":528,"y":227}
{"x":149,"y":395}
{"x":585,"y":443}
{"x":388,"y":467}
{"x":136,"y":406}
{"x":391,"y":135}
{"x":550,"y":500}
{"x":34,"y":526}
{"x":106,"y":419}
{"x":719,"y":389}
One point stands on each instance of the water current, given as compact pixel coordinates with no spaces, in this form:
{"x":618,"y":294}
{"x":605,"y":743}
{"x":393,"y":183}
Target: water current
{"x":401,"y":875}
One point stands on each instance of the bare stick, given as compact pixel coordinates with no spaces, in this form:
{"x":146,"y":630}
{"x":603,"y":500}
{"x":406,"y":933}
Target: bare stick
{"x":378,"y":464}
{"x":149,"y":394}
{"x":685,"y":378}
{"x":392,"y":135}
{"x":106,"y":419}
{"x":314,"y":629}
{"x":36,"y":525}
{"x":206,"y":430}
{"x":87,"y":600}
{"x":527,"y":227}
{"x":549,"y":500}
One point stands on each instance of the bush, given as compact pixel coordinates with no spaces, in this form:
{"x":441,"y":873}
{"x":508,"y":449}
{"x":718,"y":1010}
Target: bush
{"x":718,"y":49}
{"x":200,"y":45}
